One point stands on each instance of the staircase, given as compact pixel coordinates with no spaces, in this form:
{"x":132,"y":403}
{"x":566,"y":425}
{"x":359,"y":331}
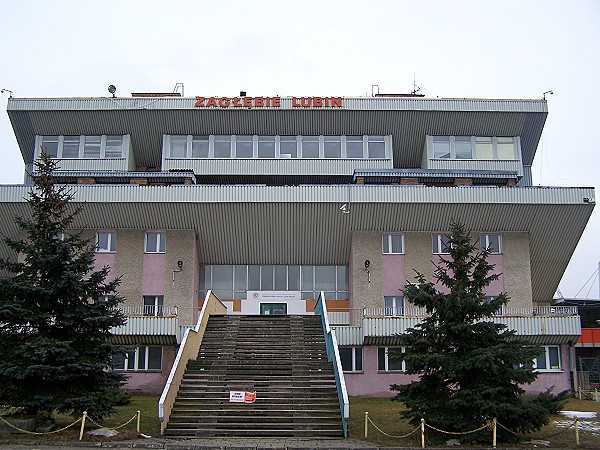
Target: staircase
{"x":282,"y":358}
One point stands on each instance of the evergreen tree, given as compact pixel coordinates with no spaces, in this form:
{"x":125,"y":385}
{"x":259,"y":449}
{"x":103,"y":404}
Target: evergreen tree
{"x":54,"y":347}
{"x":470,"y":368}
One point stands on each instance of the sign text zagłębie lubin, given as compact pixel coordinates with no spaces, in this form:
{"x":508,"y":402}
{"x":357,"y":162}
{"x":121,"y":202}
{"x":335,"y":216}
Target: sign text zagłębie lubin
{"x":267,"y":102}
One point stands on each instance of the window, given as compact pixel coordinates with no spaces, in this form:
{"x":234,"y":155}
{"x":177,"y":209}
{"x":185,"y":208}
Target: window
{"x":288,"y":147}
{"x":463,"y":148}
{"x":351,"y":358}
{"x":50,"y":146}
{"x":484,"y":148}
{"x":441,"y":147}
{"x":106,"y":241}
{"x":178,"y":146}
{"x":506,"y":148}
{"x":393,"y":306}
{"x":310,"y":146}
{"x":222,"y":146}
{"x":70,"y":147}
{"x":375,"y":147}
{"x":200,"y":146}
{"x":549,"y":359}
{"x":491,"y":242}
{"x":441,"y":244}
{"x":354,"y":147}
{"x":266,"y":146}
{"x":113,"y":147}
{"x":155,"y":242}
{"x":392,"y":244}
{"x":91,"y":146}
{"x":153,"y":305}
{"x":332,"y":147}
{"x":391,"y":359}
{"x":244,"y":146}
{"x":140,"y":358}
{"x":61,"y":236}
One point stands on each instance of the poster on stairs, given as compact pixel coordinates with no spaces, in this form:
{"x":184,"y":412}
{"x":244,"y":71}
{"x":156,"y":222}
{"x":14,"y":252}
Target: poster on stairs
{"x":242,"y":397}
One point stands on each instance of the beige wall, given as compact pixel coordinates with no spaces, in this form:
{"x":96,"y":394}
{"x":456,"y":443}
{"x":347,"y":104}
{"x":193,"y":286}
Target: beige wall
{"x":517,"y":269}
{"x":417,"y":255}
{"x":367,"y":294}
{"x":181,"y":246}
{"x":129,"y":265}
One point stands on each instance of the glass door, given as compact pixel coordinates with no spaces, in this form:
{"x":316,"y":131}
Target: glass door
{"x":273,"y":308}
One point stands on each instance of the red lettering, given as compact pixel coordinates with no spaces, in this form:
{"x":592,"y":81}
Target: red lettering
{"x":236,"y":102}
{"x":224,"y":102}
{"x":318,"y":101}
{"x":276,"y":102}
{"x":326,"y":100}
{"x":295,"y":103}
{"x":211,"y":102}
{"x":248,"y":102}
{"x":336,"y":101}
{"x":306,"y":101}
{"x":199,"y":102}
{"x":259,"y":102}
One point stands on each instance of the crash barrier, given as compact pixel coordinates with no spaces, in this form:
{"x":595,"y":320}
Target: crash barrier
{"x":83,"y":420}
{"x":490,"y":425}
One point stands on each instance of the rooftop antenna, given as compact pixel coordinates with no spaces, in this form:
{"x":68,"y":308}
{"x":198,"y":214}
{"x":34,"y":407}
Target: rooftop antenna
{"x":176,"y":88}
{"x":547,"y":92}
{"x":416,"y":88}
{"x":112,"y":89}
{"x":10,"y":93}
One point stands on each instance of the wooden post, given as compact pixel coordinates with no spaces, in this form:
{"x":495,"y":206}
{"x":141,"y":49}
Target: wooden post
{"x":422,"y":433}
{"x":82,"y":425}
{"x":577,"y":431}
{"x":596,"y":393}
{"x":494,"y":422}
{"x":138,"y":421}
{"x":366,"y":424}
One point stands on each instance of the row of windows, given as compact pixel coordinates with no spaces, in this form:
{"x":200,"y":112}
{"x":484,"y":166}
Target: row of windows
{"x":276,"y":147}
{"x":475,"y":147}
{"x":154,"y":242}
{"x":96,"y":147}
{"x":392,"y":244}
{"x":233,"y":281}
{"x":141,"y":358}
{"x":390,"y":359}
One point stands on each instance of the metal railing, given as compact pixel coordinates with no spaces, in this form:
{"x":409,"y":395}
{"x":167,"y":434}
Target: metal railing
{"x":355,"y":316}
{"x":334,"y":356}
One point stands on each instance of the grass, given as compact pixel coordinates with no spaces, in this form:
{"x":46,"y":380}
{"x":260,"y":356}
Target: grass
{"x":382,"y":411}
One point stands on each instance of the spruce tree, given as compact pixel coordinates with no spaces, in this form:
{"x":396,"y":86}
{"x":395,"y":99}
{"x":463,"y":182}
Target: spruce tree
{"x":470,"y":368}
{"x":55,"y":352}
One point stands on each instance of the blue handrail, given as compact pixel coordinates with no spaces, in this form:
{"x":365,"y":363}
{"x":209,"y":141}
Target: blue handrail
{"x":334,"y":356}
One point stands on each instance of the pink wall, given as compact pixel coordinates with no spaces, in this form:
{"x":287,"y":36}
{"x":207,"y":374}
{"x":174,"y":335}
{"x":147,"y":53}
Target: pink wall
{"x":496,"y":287}
{"x":152,"y":382}
{"x":153,"y":278}
{"x":104,"y":259}
{"x":394,"y":277}
{"x":372,"y":383}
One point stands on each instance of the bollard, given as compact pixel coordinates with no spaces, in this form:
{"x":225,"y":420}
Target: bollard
{"x":580,"y":392}
{"x":494,"y":422}
{"x":577,"y":431}
{"x":366,"y":424}
{"x":138,"y":421}
{"x":82,"y":425}
{"x":596,"y":394}
{"x":422,"y":433}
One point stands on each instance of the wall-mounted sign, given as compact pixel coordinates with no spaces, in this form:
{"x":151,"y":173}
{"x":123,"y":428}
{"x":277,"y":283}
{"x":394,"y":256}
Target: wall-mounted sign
{"x":267,"y":102}
{"x":274,"y":296}
{"x":242,"y":397}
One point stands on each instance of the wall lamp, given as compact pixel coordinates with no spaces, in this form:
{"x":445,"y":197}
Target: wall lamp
{"x":367,"y":265}
{"x":179,"y":269}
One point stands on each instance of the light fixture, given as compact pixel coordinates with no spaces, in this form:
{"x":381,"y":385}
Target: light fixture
{"x":10,"y":93}
{"x":367,"y":265}
{"x":112,"y":89}
{"x":547,"y":92}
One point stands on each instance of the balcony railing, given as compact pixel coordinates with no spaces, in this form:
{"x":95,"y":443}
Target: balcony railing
{"x":149,"y":310}
{"x":355,"y":316}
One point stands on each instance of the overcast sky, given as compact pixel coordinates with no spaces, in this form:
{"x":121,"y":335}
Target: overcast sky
{"x":500,"y":49}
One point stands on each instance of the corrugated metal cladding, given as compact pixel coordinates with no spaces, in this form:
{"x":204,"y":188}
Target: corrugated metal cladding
{"x":304,"y":225}
{"x":408,"y":121}
{"x":161,"y":326}
{"x":143,"y":340}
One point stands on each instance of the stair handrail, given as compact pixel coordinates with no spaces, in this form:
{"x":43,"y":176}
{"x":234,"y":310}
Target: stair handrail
{"x":333,"y":355}
{"x":189,"y":348}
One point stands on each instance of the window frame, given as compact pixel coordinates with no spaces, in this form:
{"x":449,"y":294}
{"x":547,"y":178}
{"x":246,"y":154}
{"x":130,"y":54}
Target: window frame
{"x":394,"y":310}
{"x":547,"y":359}
{"x":161,"y":241}
{"x":354,"y":350}
{"x":111,"y":239}
{"x":136,"y":359}
{"x":387,"y":243}
{"x":153,"y":305}
{"x":486,"y":237}
{"x":437,"y":247}
{"x":386,"y":361}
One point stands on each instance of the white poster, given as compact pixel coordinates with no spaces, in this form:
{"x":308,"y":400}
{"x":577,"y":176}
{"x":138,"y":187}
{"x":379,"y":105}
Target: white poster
{"x":274,"y":296}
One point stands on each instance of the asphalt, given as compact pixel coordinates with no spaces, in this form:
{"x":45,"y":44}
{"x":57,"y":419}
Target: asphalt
{"x":195,"y":444}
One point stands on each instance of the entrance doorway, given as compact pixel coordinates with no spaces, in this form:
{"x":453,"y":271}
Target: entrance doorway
{"x":273,"y":308}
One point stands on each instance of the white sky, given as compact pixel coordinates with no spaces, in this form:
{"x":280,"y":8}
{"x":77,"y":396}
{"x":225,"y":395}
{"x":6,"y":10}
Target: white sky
{"x":501,"y":49}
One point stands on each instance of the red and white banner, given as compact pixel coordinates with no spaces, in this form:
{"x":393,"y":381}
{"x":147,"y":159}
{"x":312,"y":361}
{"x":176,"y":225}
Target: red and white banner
{"x":242,"y":397}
